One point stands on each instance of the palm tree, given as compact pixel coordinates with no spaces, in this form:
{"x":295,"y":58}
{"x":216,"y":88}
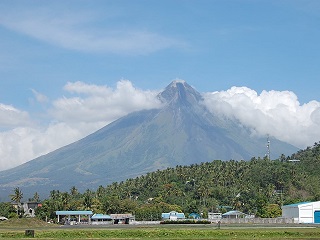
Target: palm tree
{"x":65,"y":199}
{"x":36,"y":197}
{"x":88,"y":199}
{"x":73,"y":191}
{"x":100,"y":191}
{"x":17,"y":196}
{"x":54,"y":194}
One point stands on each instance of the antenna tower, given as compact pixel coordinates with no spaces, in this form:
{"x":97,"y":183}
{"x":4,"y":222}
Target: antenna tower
{"x":268,"y":148}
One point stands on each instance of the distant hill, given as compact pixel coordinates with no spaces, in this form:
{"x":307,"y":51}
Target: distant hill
{"x":182,"y":132}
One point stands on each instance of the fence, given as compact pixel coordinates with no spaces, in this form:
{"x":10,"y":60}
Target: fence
{"x":258,"y":220}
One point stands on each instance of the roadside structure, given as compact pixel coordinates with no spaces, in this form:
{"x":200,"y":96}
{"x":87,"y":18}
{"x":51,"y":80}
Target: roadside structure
{"x":214,"y":217}
{"x":303,"y":212}
{"x":233,"y":214}
{"x":101,"y":219}
{"x":194,"y":216}
{"x":74,"y":217}
{"x":173,"y":215}
{"x":28,"y":207}
{"x":126,"y":218}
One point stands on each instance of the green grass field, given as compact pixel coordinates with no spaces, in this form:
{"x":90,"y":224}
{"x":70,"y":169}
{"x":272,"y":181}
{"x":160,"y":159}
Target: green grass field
{"x":16,"y":229}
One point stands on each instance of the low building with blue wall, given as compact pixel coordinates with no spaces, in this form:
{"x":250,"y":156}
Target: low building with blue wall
{"x":173,"y":215}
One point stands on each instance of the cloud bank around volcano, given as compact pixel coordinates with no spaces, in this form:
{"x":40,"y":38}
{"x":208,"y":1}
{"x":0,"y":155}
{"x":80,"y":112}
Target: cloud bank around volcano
{"x":87,"y":107}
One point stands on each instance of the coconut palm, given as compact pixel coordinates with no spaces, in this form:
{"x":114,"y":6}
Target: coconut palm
{"x":17,"y":196}
{"x":36,"y":197}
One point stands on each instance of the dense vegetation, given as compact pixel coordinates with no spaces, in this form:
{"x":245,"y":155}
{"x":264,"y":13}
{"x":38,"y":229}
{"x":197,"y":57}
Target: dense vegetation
{"x":259,"y":186}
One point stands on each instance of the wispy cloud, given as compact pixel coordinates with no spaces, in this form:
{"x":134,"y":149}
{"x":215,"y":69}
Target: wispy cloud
{"x":41,"y":98}
{"x":80,"y":32}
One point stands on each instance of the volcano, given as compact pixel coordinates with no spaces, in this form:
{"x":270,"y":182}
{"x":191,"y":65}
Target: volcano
{"x":181,"y":132}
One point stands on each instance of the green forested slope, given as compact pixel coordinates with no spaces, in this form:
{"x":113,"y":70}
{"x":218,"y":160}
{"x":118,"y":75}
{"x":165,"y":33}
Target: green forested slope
{"x":249,"y":186}
{"x":258,"y":186}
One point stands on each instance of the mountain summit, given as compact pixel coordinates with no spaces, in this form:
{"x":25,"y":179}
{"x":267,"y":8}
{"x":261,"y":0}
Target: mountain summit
{"x":182,"y":132}
{"x":179,"y":92}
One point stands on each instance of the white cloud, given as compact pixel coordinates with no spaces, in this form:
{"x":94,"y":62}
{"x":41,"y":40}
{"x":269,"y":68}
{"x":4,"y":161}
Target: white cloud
{"x":91,"y":108}
{"x":79,"y":31}
{"x":88,"y":107}
{"x":101,"y":103}
{"x":10,"y":116}
{"x":277,"y":113}
{"x":22,"y":144}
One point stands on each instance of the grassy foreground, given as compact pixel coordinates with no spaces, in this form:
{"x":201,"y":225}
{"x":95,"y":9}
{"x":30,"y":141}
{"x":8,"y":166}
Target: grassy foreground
{"x":158,"y":232}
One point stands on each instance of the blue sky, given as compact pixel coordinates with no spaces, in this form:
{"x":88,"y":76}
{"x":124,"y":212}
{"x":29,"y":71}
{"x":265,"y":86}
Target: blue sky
{"x":62,"y":63}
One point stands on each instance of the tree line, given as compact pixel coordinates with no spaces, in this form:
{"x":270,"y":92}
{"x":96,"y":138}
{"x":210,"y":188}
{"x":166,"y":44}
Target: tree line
{"x":259,"y":186}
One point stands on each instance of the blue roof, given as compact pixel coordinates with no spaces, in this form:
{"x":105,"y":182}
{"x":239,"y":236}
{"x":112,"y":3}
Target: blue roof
{"x":100,"y":216}
{"x":74,"y":213}
{"x":194,"y":215}
{"x":296,"y":204}
{"x":228,"y":208}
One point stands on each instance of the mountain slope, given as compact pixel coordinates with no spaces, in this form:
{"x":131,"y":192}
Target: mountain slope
{"x":182,"y":132}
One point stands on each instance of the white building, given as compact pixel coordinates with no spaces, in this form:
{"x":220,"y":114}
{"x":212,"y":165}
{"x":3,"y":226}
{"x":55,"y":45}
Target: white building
{"x":173,"y":215}
{"x":100,"y":219}
{"x":304,"y":212}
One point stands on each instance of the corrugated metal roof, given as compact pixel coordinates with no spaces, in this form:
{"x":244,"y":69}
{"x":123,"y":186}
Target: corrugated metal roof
{"x":172,"y":213}
{"x":233,"y":212}
{"x":121,"y":216}
{"x":100,"y":216}
{"x":74,"y":213}
{"x":296,"y":204}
